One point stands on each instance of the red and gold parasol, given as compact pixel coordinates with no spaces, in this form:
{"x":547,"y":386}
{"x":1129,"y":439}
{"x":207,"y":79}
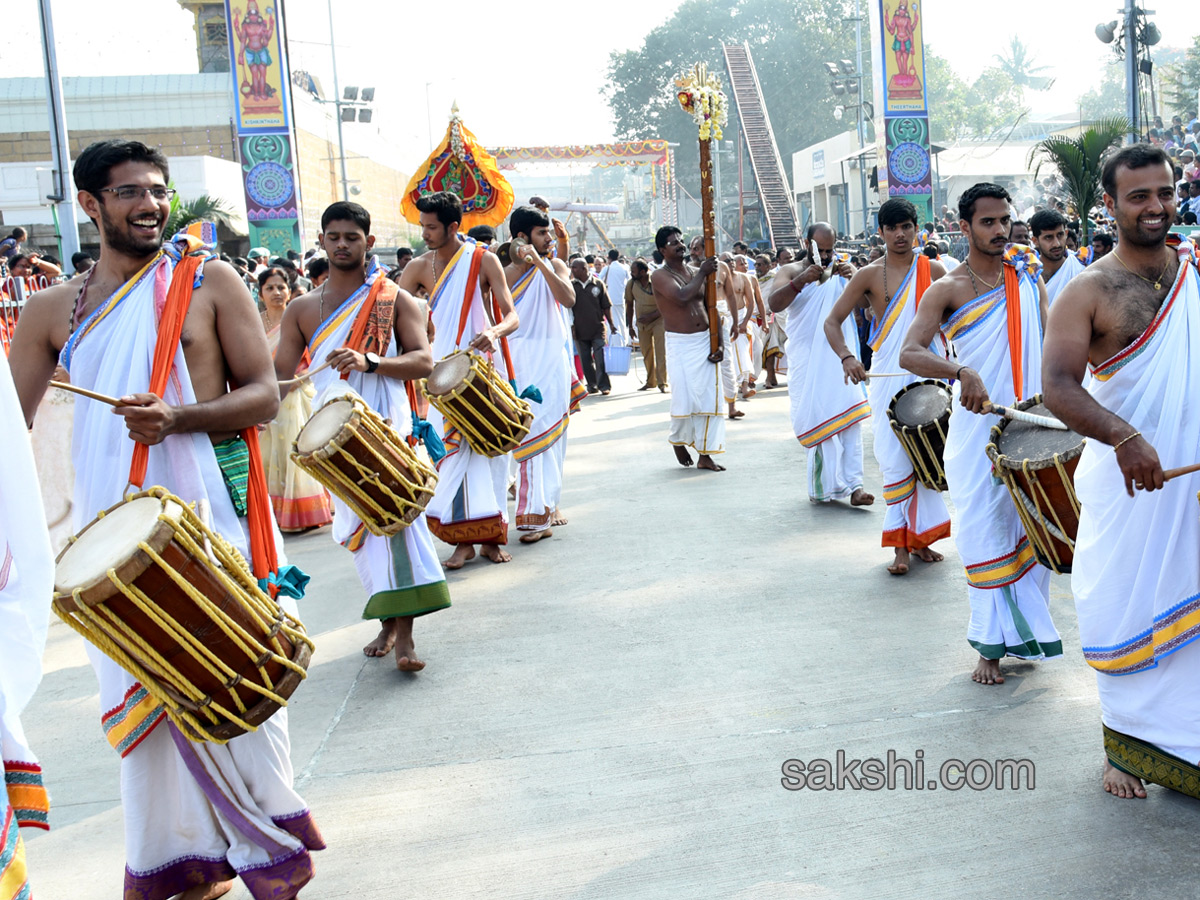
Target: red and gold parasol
{"x":461,"y":166}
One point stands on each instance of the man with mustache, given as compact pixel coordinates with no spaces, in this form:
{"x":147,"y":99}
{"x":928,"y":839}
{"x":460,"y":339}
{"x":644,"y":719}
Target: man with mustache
{"x":1130,"y":321}
{"x":993,"y":308}
{"x":199,"y":441}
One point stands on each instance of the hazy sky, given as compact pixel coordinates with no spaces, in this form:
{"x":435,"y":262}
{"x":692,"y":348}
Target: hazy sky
{"x":560,"y":52}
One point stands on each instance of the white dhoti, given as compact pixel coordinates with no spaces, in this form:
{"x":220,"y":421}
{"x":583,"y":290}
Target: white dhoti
{"x":182,"y":827}
{"x":1069,"y":269}
{"x":916,"y":516}
{"x":470,"y":504}
{"x":401,"y":573}
{"x":697,"y":420}
{"x":1136,"y":572}
{"x":541,"y":359}
{"x":1008,"y":590}
{"x":826,"y":411}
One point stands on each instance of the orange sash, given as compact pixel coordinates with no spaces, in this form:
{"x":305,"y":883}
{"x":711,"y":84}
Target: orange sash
{"x":924,"y":279}
{"x":263,"y":559}
{"x":1016,"y":348}
{"x":385,"y":288}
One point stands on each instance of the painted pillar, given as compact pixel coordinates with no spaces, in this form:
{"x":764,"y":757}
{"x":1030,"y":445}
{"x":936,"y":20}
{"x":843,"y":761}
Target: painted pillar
{"x":901,"y":103}
{"x":262,"y":114}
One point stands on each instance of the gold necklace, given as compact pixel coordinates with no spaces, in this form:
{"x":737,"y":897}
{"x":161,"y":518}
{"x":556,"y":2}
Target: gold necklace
{"x":1157,"y":282}
{"x":991,"y":287}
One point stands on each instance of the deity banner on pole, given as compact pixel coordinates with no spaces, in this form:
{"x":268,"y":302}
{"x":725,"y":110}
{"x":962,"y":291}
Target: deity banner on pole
{"x":261,"y":100}
{"x":901,"y":103}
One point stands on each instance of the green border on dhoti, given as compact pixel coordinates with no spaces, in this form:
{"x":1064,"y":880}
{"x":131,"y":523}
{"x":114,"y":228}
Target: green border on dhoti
{"x":411,"y":601}
{"x":1147,"y":762}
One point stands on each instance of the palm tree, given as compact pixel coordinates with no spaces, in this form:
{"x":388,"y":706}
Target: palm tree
{"x":204,"y":207}
{"x":1079,"y":160}
{"x":1018,"y":64}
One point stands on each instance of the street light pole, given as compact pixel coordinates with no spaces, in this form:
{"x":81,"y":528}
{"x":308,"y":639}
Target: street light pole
{"x":862,"y":137}
{"x":60,"y":149}
{"x":1131,"y":70}
{"x":337,"y":108}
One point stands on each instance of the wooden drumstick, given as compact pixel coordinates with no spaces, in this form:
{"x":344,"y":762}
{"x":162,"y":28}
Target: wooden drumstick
{"x":1021,"y":416}
{"x":1182,"y":470}
{"x":307,"y":375}
{"x":103,"y":398}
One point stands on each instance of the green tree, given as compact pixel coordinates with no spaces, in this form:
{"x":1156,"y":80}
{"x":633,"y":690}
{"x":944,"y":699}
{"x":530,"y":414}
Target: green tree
{"x":789,"y":40}
{"x":960,"y":111}
{"x":203,"y":208}
{"x":1078,"y":161}
{"x":1108,"y":97}
{"x":1019,"y":65}
{"x":1181,"y":80}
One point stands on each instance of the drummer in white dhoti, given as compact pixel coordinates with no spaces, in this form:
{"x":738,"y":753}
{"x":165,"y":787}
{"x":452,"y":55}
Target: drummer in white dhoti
{"x":992,"y":308}
{"x":892,"y":287}
{"x":1059,"y":266}
{"x":193,"y":822}
{"x":373,"y":335}
{"x":1132,"y":321}
{"x":470,"y":505}
{"x":542,"y":293}
{"x":827,"y":412}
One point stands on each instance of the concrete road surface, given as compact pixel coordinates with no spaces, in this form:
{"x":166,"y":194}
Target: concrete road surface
{"x":607,"y":715}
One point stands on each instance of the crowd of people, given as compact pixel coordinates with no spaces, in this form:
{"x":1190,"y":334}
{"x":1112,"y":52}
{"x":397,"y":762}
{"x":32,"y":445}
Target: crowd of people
{"x":850,"y":327}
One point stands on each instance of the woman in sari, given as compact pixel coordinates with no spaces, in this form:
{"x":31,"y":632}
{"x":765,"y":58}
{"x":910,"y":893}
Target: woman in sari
{"x":299,"y":501}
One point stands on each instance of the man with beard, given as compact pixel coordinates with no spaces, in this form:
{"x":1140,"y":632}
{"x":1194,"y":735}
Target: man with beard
{"x":198,"y":440}
{"x":892,"y":287}
{"x":1050,"y":240}
{"x":992,"y":307}
{"x":827,"y":411}
{"x":470,"y":505}
{"x":696,"y":418}
{"x":373,"y":335}
{"x":542,"y":293}
{"x":1132,"y":321}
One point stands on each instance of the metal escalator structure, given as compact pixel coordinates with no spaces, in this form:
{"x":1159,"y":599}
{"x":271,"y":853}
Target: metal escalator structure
{"x":769,"y":174}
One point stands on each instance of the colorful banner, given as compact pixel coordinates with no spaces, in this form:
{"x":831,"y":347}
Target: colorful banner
{"x":261,"y":97}
{"x":626,"y":153}
{"x":902,"y":114}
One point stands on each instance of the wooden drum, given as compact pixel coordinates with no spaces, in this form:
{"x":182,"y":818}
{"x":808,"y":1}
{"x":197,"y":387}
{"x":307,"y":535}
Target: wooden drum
{"x":466,"y":388}
{"x":1037,"y":465}
{"x":175,"y":605}
{"x":919,"y":415}
{"x":350,"y":449}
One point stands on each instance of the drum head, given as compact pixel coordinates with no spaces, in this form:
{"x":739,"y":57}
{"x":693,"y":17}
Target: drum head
{"x":1021,"y":440}
{"x":921,"y":403}
{"x":109,"y":542}
{"x":324,"y":426}
{"x":448,"y":374}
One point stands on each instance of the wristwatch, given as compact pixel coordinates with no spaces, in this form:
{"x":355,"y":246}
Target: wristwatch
{"x":372,"y":362}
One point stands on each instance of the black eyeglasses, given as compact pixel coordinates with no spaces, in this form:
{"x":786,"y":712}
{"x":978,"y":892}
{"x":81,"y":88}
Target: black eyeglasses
{"x":129,"y":192}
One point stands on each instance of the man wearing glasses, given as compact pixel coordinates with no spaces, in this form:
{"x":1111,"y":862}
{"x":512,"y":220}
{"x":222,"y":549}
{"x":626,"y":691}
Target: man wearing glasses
{"x":180,"y":836}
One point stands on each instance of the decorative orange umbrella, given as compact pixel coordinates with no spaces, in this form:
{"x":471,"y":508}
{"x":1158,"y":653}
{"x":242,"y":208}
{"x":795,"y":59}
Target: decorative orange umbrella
{"x":461,"y":166}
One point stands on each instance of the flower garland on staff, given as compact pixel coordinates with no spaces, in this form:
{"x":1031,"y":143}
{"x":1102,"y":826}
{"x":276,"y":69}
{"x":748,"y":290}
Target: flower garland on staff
{"x":699,"y":94}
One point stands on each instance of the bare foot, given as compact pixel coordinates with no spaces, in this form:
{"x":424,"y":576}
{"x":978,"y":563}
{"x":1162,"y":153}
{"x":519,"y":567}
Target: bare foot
{"x":210,"y":891}
{"x":459,"y":557}
{"x":748,"y":393}
{"x":406,"y":654}
{"x":382,"y":645}
{"x":925,"y":554}
{"x":681,"y":454}
{"x":494,"y":553}
{"x":706,"y":462}
{"x":534,"y":536}
{"x":900,"y":565}
{"x":1122,"y":784}
{"x":987,"y":672}
{"x":558,"y":518}
{"x":861,"y":498}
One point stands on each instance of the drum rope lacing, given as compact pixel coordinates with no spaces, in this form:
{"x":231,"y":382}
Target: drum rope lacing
{"x":351,"y":491}
{"x":190,"y":532}
{"x":485,"y":444}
